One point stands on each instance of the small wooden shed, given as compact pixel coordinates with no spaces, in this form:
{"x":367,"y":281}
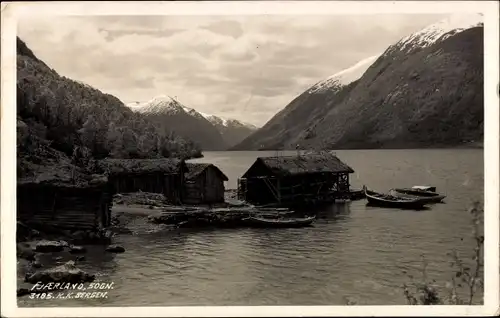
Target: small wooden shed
{"x":204,"y":184}
{"x":66,"y":200}
{"x":311,"y":178}
{"x":163,"y":175}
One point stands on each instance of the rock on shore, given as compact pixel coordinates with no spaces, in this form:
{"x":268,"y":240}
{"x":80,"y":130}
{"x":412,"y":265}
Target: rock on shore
{"x":66,"y":273}
{"x":115,"y":249}
{"x":45,"y":246}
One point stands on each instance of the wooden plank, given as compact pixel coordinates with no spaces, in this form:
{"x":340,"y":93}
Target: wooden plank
{"x":76,"y":216}
{"x":73,"y":221}
{"x":62,"y":223}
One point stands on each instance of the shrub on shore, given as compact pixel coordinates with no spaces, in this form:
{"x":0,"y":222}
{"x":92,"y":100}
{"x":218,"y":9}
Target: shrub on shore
{"x":426,"y":292}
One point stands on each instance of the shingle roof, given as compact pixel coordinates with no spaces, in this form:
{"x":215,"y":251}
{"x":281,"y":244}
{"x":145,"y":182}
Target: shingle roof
{"x":304,"y":164}
{"x":194,"y":169}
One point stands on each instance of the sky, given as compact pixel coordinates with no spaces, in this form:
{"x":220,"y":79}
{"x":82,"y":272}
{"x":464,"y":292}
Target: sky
{"x":242,"y":67}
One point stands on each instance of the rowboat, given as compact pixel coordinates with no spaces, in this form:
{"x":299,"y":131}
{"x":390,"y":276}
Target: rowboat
{"x":258,"y":221}
{"x":425,"y":193}
{"x":390,"y":201}
{"x":272,"y":214}
{"x":278,"y":210}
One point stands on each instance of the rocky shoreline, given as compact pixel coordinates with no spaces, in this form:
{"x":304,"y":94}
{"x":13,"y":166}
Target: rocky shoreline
{"x":34,"y":266}
{"x":134,"y":213}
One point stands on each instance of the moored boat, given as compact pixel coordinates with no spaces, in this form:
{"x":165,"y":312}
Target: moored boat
{"x":271,"y":214}
{"x":259,"y":221}
{"x":425,"y":193}
{"x":390,"y":201}
{"x":424,"y":188}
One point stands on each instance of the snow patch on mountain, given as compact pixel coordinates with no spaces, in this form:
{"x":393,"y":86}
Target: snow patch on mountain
{"x":216,"y":120}
{"x":168,"y":105}
{"x":227,"y":122}
{"x":439,"y":31}
{"x":344,"y":77}
{"x":160,"y":104}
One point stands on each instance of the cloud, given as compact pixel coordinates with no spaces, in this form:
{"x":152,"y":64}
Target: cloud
{"x":226,"y":27}
{"x":244,"y":67}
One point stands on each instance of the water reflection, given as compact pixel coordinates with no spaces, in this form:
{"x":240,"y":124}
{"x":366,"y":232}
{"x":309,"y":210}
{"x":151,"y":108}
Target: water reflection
{"x":352,"y":250}
{"x":335,"y":211}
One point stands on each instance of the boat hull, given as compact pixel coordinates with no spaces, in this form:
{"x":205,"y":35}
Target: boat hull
{"x":276,"y":223}
{"x":399,"y":205}
{"x":425,"y":196}
{"x":388,"y":201}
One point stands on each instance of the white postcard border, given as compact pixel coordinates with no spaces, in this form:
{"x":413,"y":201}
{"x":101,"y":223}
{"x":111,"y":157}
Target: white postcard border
{"x":10,"y":11}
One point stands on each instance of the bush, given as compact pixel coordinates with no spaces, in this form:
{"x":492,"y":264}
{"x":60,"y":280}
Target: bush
{"x":426,"y":292}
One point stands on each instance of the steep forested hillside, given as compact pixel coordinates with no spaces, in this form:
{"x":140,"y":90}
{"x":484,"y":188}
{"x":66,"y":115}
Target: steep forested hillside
{"x":58,"y":115}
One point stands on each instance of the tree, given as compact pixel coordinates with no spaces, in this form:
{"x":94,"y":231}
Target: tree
{"x":129,"y":143}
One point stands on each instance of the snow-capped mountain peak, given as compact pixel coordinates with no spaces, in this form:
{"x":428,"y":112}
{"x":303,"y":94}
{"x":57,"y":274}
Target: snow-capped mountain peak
{"x":439,"y":31}
{"x":159,"y":104}
{"x":216,"y":120}
{"x":344,"y":77}
{"x":168,"y":105}
{"x":226,"y":122}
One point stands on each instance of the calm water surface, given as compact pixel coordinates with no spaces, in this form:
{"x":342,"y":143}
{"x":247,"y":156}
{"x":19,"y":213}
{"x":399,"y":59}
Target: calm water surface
{"x":353,"y":251}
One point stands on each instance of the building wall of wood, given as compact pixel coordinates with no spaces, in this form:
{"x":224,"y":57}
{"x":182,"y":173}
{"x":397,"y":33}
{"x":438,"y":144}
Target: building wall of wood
{"x":207,"y":187}
{"x":258,"y":190}
{"x":173,"y":190}
{"x":271,"y":189}
{"x":67,"y":208}
{"x":169,"y":184}
{"x":149,"y":182}
{"x":214,"y":186}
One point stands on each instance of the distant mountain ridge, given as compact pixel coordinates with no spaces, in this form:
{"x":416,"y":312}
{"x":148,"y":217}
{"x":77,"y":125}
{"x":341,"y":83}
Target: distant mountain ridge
{"x":62,"y":122}
{"x":415,"y":94}
{"x":233,"y":131}
{"x":210,"y":131}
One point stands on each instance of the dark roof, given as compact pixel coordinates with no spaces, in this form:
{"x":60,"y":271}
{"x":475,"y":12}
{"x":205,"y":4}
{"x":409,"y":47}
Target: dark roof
{"x":194,"y":169}
{"x":138,"y":166}
{"x":63,"y":176}
{"x":303,"y":164}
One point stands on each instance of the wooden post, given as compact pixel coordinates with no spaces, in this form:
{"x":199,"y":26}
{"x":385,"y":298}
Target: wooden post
{"x":54,"y":203}
{"x":98,"y":216}
{"x":278,"y":188}
{"x":271,"y":186}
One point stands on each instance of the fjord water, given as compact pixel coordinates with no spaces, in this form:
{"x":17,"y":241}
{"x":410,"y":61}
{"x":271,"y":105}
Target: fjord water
{"x":353,"y":251}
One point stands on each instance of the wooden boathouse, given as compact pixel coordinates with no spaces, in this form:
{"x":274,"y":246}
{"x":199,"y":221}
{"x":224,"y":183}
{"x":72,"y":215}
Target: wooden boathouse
{"x":204,"y":184}
{"x":163,"y":175}
{"x":302,"y":178}
{"x":64,"y":199}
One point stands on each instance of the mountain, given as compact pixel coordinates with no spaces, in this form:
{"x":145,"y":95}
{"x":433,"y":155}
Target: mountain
{"x":171,"y":111}
{"x":344,"y":77}
{"x":188,"y":123}
{"x":57,"y":115}
{"x":233,"y":131}
{"x":298,"y":117}
{"x":415,"y":94}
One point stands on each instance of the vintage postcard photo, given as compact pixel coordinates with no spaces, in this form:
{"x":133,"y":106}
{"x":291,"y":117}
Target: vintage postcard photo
{"x":254,"y":158}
